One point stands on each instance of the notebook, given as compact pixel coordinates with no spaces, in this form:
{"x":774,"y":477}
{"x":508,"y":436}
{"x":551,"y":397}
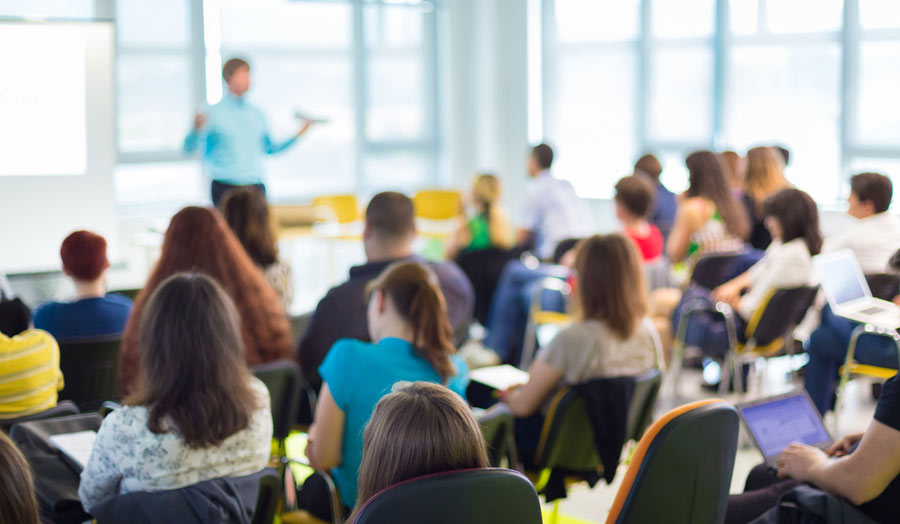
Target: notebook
{"x":775,"y":422}
{"x":75,"y":447}
{"x":499,"y":377}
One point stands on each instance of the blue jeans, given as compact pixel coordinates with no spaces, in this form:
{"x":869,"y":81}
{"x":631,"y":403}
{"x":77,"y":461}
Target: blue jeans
{"x":827,"y":349}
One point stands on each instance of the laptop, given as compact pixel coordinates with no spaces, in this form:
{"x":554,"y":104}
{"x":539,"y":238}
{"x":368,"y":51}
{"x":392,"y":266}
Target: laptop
{"x":848,"y":293}
{"x":775,"y":422}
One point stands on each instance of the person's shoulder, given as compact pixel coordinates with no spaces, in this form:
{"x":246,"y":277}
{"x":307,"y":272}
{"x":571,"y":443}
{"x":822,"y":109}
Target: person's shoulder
{"x":446,"y":268}
{"x":259,"y":388}
{"x":31,"y":338}
{"x":46,"y":311}
{"x":350,"y":348}
{"x":126,"y":420}
{"x":118,"y":300}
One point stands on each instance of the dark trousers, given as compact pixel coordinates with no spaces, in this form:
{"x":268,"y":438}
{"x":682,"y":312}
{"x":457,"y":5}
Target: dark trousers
{"x":762,"y":492}
{"x":218,"y":190}
{"x":315,"y":498}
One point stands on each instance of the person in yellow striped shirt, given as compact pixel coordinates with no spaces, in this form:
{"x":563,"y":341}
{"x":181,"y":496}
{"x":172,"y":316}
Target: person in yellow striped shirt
{"x":29,"y":373}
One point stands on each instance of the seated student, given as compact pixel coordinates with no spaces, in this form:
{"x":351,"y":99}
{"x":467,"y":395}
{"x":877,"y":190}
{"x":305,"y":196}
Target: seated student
{"x":863,"y":468}
{"x":411,"y":341}
{"x":197,"y":413}
{"x":15,"y":316}
{"x":29,"y":373}
{"x":764,"y":176}
{"x":613,"y":337}
{"x":198,"y":239}
{"x":418,"y":429}
{"x":734,"y":171}
{"x":18,"y":503}
{"x":247,"y":214}
{"x":387,"y":238}
{"x":487,"y":226}
{"x":634,"y":198}
{"x":93,"y":312}
{"x":663,"y":215}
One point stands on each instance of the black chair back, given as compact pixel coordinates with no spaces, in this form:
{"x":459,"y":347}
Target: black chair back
{"x":269,"y":498}
{"x":643,"y":400}
{"x":497,"y":428}
{"x":714,"y":269}
{"x":885,"y":286}
{"x":563,"y":247}
{"x":484,"y":267}
{"x":476,"y":496}
{"x":90,"y":370}
{"x":567,"y":440}
{"x":62,"y":409}
{"x":784,"y":310}
{"x":284,"y":382}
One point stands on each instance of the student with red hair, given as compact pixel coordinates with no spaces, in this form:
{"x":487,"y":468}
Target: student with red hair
{"x":93,"y":312}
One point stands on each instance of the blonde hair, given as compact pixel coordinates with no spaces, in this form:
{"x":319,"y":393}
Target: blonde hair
{"x":764,"y":176}
{"x":486,"y":192}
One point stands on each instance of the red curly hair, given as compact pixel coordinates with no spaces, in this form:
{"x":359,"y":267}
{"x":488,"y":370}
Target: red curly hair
{"x":199,"y":240}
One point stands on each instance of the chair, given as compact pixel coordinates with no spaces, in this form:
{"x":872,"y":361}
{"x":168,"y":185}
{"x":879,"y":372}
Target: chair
{"x":269,"y":497}
{"x":475,"y":496}
{"x":851,"y":367}
{"x":643,"y":400}
{"x":437,"y":204}
{"x":62,"y":409}
{"x":885,"y":286}
{"x":681,"y":468}
{"x":90,"y":369}
{"x":714,"y":269}
{"x":497,"y":428}
{"x":286,"y":389}
{"x":342,"y":209}
{"x":538,"y":317}
{"x":484,"y":267}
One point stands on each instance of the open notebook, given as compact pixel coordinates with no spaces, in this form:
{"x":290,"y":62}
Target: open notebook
{"x":76,"y":447}
{"x":499,"y":377}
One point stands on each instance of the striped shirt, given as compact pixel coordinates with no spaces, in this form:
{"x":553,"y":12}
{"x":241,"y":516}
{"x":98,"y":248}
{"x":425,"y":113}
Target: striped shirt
{"x":29,"y":373}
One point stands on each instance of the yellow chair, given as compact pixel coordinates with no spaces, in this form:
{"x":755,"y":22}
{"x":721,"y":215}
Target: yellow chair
{"x":437,"y":204}
{"x":538,"y":317}
{"x":851,"y":367}
{"x":345,"y":208}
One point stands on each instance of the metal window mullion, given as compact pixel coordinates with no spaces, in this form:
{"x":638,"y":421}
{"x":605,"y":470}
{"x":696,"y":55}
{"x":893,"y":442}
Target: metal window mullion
{"x":644,"y":46}
{"x":432,"y":94}
{"x":849,"y":86}
{"x":360,"y":85}
{"x":197,"y":52}
{"x":721,"y":48}
{"x":549,"y":60}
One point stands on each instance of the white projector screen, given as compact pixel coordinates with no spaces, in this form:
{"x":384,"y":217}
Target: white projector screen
{"x":57,"y":139}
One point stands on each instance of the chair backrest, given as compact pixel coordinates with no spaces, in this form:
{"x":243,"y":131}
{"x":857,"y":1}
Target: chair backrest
{"x":780,"y":314}
{"x":883,"y":285}
{"x":90,"y":370}
{"x":567,"y":437}
{"x":681,"y":468}
{"x":475,"y":496}
{"x":484,"y":267}
{"x":284,"y":382}
{"x":344,"y":207}
{"x":643,"y":400}
{"x":563,"y":247}
{"x":714,"y":269}
{"x":269,"y":497}
{"x":62,"y":409}
{"x":497,"y":428}
{"x":437,"y":204}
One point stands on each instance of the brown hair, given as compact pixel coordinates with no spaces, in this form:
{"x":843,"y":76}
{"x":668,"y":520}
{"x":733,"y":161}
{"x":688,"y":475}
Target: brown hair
{"x":232,"y":65}
{"x":610,"y":283}
{"x":798,"y":215}
{"x":418,"y":429}
{"x":636,"y":194}
{"x":649,"y":165}
{"x":18,"y":504}
{"x":192,"y":362}
{"x":707,"y":179}
{"x":414,"y":291}
{"x":543,"y":155}
{"x":730,"y":161}
{"x":390,"y":216}
{"x":764,"y":176}
{"x":247,"y":214}
{"x":198,"y":239}
{"x":83,"y":255}
{"x":873,"y":187}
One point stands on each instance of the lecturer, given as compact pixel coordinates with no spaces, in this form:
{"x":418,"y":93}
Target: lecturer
{"x":235,"y":136}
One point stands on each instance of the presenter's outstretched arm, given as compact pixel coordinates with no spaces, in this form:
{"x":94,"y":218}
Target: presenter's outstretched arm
{"x":193,"y":137}
{"x":277,"y":147}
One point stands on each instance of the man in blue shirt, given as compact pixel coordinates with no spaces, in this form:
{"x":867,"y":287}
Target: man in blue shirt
{"x":664,"y":204}
{"x":235,"y":136}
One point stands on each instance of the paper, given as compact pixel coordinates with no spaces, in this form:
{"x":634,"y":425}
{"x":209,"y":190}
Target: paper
{"x":77,"y":446}
{"x":499,"y":377}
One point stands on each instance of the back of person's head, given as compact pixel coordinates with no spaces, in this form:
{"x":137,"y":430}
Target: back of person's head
{"x":418,"y":429}
{"x":635,"y":194}
{"x":232,"y":65}
{"x":84,"y":255}
{"x":486,"y":190}
{"x":390,"y":218}
{"x":649,"y":165}
{"x":798,"y":216}
{"x":247,"y":214}
{"x":18,"y":504}
{"x":765,"y":173}
{"x":193,"y":373}
{"x":414,"y":292}
{"x":706,"y":178}
{"x":542,"y":155}
{"x":610,"y":283}
{"x":784,"y":153}
{"x":731,"y":161}
{"x":873,"y":187}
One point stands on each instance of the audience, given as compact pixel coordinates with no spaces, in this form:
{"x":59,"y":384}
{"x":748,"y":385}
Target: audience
{"x":663,"y":215}
{"x":29,"y":373}
{"x":387,"y":238}
{"x":612,"y":336}
{"x":411,"y":337}
{"x":198,"y":239}
{"x":93,"y":312}
{"x":634,"y":199}
{"x":196,"y":412}
{"x":487,"y":226}
{"x":418,"y":429}
{"x":247,"y":214}
{"x":18,"y":504}
{"x":763,"y":178}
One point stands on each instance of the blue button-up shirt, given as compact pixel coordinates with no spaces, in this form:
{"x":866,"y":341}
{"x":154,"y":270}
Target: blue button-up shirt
{"x":235,"y":141}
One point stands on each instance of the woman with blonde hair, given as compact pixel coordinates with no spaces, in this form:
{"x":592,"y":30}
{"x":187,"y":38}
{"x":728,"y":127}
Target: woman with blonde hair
{"x":764,"y":176}
{"x":487,"y":226}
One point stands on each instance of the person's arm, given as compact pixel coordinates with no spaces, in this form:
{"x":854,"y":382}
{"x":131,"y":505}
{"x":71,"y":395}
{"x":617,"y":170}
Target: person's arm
{"x":687,"y":218}
{"x":101,"y":475}
{"x":459,"y":240}
{"x":501,"y":232}
{"x":730,"y":292}
{"x":277,"y":147}
{"x":326,"y":434}
{"x":192,"y":140}
{"x":858,"y":477}
{"x":525,"y":400}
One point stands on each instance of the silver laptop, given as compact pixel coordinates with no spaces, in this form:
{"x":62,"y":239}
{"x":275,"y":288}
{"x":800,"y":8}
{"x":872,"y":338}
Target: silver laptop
{"x":775,"y":422}
{"x":848,"y":293}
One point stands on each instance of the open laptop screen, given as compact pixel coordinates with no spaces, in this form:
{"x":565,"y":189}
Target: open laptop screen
{"x":776,"y":422}
{"x":841,"y":277}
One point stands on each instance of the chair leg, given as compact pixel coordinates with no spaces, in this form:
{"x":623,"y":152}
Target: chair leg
{"x":554,"y":513}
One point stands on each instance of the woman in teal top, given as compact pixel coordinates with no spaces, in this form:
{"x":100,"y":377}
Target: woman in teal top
{"x":411,"y":332}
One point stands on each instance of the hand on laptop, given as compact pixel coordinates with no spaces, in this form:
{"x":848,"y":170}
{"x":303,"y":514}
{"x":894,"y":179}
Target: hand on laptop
{"x":843,"y":446}
{"x":798,"y":460}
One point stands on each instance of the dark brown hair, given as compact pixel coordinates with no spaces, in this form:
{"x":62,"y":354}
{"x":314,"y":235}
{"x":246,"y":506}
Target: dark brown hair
{"x":707,"y":179}
{"x":17,"y":503}
{"x":636,"y":194}
{"x":419,"y":429}
{"x":192,"y":362}
{"x":610,"y":283}
{"x":649,"y":165}
{"x":232,"y":65}
{"x":543,"y":155}
{"x":798,"y":215}
{"x":390,"y":216}
{"x":873,"y":187}
{"x":198,"y":239}
{"x":414,"y":291}
{"x":247,"y":214}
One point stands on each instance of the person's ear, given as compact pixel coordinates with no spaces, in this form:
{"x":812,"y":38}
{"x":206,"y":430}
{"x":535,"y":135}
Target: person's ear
{"x":380,"y":301}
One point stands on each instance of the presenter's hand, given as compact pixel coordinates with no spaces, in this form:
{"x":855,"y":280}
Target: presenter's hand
{"x":199,"y":121}
{"x":304,"y":127}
